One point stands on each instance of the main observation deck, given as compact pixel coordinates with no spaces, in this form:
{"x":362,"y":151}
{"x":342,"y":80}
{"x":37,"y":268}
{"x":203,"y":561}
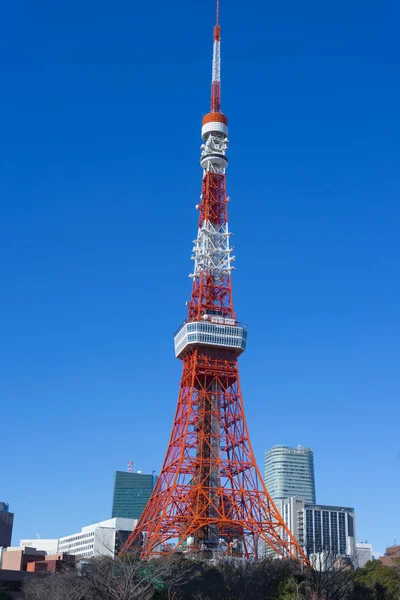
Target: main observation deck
{"x":213,"y":331}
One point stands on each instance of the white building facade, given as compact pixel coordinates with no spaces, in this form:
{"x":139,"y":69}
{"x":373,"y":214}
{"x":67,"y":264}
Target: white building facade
{"x":100,"y":539}
{"x":363,"y":553}
{"x":50,"y":546}
{"x":321,"y":528}
{"x":289,"y":472}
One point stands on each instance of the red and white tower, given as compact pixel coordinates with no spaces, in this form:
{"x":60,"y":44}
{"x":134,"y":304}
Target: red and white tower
{"x":210,"y":499}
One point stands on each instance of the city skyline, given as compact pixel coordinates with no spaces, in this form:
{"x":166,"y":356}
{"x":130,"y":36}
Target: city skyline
{"x":78,"y":348}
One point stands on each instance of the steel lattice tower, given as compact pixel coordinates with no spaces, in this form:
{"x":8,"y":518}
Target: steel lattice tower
{"x":210,"y":499}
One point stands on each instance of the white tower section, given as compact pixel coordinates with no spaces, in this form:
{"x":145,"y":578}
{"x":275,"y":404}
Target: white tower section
{"x":212,"y":253}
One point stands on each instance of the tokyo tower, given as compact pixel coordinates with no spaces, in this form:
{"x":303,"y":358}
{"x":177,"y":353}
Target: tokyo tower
{"x":210,"y":499}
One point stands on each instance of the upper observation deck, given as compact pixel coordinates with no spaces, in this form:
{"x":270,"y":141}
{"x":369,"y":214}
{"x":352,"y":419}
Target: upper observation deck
{"x":212,"y":330}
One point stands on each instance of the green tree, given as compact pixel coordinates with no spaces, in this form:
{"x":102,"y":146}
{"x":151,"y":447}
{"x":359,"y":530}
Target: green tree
{"x":382,"y":581}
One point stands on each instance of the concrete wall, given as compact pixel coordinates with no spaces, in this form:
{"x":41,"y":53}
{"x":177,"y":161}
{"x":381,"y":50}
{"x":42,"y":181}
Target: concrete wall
{"x":104,"y":542}
{"x":17,"y":560}
{"x":12,"y":560}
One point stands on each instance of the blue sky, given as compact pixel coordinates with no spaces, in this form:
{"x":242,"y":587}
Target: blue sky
{"x":99,"y":174}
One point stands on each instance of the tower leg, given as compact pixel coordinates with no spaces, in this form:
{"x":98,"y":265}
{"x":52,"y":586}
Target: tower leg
{"x":210,"y":499}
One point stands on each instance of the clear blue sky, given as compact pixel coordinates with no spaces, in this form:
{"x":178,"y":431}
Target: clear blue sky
{"x":101,"y":107}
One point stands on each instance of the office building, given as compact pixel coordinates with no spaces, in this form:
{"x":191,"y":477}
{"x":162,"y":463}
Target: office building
{"x":131,"y":494}
{"x":35,"y":561}
{"x":363,"y":553}
{"x":52,"y":563}
{"x":100,"y":539}
{"x":320,"y":528}
{"x":289,"y":472}
{"x":6,"y":525}
{"x":391,"y":556}
{"x":17,"y":559}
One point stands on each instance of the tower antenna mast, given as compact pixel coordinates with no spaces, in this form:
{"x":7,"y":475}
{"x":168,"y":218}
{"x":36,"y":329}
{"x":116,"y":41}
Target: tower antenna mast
{"x":216,"y":65}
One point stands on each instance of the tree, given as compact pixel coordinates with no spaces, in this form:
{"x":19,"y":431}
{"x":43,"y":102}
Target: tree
{"x":128,"y":578}
{"x":56,"y":586}
{"x":378,"y":582}
{"x":178,"y":578}
{"x":174,"y":574}
{"x":330,"y":578}
{"x":235,"y":579}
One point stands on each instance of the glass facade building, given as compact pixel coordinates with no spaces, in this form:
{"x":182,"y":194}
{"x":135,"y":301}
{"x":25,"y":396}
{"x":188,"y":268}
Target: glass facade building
{"x":330,"y":529}
{"x":289,"y":472}
{"x":320,"y":528}
{"x":6,"y":525}
{"x":131,"y":493}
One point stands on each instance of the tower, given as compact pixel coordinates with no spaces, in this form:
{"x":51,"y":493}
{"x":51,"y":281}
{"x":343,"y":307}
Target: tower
{"x":210,"y":499}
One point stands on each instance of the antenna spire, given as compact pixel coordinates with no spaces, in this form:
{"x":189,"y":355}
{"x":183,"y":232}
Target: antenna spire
{"x":216,"y":65}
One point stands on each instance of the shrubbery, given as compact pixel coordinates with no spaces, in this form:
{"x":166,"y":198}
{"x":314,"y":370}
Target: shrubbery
{"x":178,"y":578}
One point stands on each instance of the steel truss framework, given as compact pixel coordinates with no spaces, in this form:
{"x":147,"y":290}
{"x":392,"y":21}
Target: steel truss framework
{"x":212,"y":288}
{"x":210,"y":499}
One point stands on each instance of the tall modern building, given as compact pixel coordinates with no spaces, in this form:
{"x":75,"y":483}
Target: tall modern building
{"x":6,"y":525}
{"x":320,"y":528}
{"x":131,"y":493}
{"x":290,"y":472}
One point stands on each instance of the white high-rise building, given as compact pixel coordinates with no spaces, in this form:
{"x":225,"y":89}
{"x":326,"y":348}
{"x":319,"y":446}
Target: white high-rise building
{"x":100,"y":539}
{"x":289,"y":472}
{"x":320,"y":528}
